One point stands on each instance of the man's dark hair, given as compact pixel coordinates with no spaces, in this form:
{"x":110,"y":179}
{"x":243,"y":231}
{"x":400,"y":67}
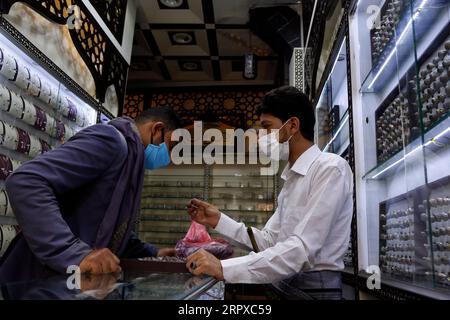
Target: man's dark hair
{"x":287,"y":102}
{"x":162,"y":114}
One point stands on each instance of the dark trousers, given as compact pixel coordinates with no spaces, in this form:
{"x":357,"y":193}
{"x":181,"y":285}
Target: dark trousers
{"x":317,"y":285}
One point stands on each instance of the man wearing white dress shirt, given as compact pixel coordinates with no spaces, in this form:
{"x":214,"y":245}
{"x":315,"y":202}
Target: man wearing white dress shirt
{"x":303,"y":244}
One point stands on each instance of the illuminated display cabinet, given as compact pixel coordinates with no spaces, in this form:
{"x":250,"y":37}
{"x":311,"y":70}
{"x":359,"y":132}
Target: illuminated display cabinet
{"x":332,"y":132}
{"x":401,"y":105}
{"x":37,"y":114}
{"x":332,"y":127}
{"x":239,"y":191}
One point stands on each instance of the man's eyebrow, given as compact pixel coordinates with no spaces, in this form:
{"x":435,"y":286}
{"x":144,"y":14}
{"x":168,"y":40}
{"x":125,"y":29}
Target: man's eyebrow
{"x":265,"y":123}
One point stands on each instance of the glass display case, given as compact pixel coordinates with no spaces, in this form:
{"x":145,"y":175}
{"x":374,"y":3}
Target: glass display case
{"x":401,"y":113}
{"x":129,"y":285}
{"x":332,"y":127}
{"x":37,"y":113}
{"x":242,"y":193}
{"x":166,"y":192}
{"x":237,"y":190}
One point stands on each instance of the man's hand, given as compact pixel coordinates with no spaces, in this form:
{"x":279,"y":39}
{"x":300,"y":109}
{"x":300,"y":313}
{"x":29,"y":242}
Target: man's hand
{"x":203,"y":213}
{"x":100,"y":261}
{"x":167,"y":252}
{"x":203,"y":262}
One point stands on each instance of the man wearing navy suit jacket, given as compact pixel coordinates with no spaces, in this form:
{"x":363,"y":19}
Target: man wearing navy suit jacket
{"x":77,"y":205}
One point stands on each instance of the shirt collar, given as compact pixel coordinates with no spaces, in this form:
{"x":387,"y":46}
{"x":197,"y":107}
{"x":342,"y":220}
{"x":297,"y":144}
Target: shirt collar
{"x":303,"y":163}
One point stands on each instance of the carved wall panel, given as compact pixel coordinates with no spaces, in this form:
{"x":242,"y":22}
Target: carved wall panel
{"x":235,"y":108}
{"x":113,"y":14}
{"x":134,"y":105}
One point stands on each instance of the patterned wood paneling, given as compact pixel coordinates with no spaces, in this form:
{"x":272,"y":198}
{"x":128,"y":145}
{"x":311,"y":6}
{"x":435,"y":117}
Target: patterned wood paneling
{"x":235,"y":108}
{"x":133,"y":106}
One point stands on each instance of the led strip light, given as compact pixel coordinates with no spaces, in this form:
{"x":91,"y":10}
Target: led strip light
{"x":412,"y":152}
{"x":337,"y":133}
{"x":419,"y":10}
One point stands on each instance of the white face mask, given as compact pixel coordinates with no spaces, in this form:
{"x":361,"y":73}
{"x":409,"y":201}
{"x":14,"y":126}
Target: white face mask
{"x":272,"y":148}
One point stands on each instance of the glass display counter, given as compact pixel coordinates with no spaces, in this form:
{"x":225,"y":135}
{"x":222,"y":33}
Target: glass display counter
{"x":130,"y":285}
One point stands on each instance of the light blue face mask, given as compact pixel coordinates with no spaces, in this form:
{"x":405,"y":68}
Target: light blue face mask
{"x":156,"y":156}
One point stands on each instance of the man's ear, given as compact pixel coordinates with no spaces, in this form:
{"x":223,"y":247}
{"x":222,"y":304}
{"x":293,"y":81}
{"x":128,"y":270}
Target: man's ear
{"x":295,"y":125}
{"x":157,"y":131}
{"x":157,"y":127}
{"x":146,"y":131}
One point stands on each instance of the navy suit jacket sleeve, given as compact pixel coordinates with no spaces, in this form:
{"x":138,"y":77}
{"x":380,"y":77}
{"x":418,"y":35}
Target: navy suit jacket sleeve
{"x":137,"y":249}
{"x":33,"y":190}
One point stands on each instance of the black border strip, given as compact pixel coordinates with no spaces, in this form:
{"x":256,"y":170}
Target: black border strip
{"x":196,"y":26}
{"x":151,"y":41}
{"x":164,"y":70}
{"x":171,"y":26}
{"x":216,"y":70}
{"x":221,"y":88}
{"x":208,"y":11}
{"x":228,"y":58}
{"x":232,"y":26}
{"x":212,"y":41}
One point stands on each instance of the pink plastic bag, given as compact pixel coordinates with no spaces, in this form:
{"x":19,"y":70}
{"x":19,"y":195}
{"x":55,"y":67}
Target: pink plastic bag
{"x":197,"y":238}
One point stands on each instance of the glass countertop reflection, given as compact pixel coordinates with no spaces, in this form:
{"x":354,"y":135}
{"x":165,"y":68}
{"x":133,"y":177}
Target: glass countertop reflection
{"x":167,"y":286}
{"x":129,"y":285}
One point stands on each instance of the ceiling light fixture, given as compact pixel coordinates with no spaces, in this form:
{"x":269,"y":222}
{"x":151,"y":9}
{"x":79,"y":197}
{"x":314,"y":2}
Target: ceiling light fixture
{"x":250,"y":62}
{"x":172,"y":3}
{"x":250,"y":66}
{"x":182,"y":38}
{"x":190,"y":66}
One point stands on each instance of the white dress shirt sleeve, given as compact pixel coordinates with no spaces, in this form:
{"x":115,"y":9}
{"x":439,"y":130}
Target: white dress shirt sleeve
{"x":237,"y":231}
{"x":330,"y":188}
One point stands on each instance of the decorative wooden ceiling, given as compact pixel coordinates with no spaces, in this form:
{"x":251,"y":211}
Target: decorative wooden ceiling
{"x":197,"y":42}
